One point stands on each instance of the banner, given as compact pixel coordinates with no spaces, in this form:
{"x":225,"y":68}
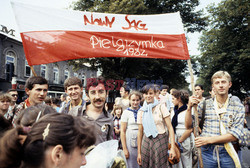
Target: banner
{"x":52,"y":35}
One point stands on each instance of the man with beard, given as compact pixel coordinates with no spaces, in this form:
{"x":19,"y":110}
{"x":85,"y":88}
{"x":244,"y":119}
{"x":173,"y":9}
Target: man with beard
{"x":36,"y":87}
{"x":73,"y":88}
{"x":95,"y":112}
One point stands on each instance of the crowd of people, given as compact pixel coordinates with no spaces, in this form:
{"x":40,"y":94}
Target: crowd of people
{"x":153,"y":128}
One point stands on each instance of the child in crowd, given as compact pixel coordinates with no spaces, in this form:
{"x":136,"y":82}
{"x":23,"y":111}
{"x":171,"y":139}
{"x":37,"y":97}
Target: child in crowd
{"x":117,"y":123}
{"x":129,"y":129}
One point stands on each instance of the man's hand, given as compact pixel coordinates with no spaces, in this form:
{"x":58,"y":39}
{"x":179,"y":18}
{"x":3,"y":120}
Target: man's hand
{"x":193,"y":100}
{"x":200,"y":141}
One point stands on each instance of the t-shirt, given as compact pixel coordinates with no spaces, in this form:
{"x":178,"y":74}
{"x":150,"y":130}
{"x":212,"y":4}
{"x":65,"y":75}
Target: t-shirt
{"x":129,"y":118}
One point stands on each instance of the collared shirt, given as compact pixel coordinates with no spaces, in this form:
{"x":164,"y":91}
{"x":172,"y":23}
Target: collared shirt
{"x":104,"y":126}
{"x":73,"y":111}
{"x":233,"y":119}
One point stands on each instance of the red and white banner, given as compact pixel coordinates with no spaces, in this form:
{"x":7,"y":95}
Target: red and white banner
{"x":52,"y":35}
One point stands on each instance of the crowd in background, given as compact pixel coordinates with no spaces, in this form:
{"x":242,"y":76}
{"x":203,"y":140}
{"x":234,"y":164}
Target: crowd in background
{"x":151,"y":124}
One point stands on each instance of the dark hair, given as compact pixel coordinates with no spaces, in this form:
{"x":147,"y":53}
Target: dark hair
{"x":4,"y":125}
{"x":31,"y":81}
{"x":164,"y":87}
{"x":183,"y":94}
{"x":55,"y":101}
{"x":64,"y":129}
{"x":147,"y":87}
{"x":29,"y":115}
{"x":64,"y":95}
{"x":47,"y":100}
{"x":72,"y":81}
{"x":126,"y":87}
{"x":94,"y":82}
{"x":11,"y":90}
{"x":199,"y":86}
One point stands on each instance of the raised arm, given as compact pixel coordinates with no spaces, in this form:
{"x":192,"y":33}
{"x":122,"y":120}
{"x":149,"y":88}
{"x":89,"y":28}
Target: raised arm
{"x":188,"y":118}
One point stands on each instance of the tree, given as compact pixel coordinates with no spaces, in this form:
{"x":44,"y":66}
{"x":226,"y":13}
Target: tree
{"x":225,"y":45}
{"x":170,"y":71}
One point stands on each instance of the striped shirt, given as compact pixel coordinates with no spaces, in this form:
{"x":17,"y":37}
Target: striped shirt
{"x":233,"y":119}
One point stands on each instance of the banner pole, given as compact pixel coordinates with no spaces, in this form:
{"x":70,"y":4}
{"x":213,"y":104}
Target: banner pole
{"x":33,"y":70}
{"x":196,"y":119}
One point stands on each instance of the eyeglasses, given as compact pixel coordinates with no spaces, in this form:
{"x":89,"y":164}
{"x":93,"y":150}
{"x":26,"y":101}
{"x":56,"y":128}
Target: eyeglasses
{"x":14,"y":95}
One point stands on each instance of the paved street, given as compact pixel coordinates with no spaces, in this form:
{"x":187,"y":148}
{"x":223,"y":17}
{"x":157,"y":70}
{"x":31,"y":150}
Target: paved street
{"x":246,"y":151}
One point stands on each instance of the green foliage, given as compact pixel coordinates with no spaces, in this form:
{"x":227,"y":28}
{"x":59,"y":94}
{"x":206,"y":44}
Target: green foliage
{"x":192,"y":20}
{"x":225,"y":45}
{"x":170,"y":71}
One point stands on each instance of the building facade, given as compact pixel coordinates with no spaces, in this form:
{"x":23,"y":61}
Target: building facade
{"x":14,"y":64}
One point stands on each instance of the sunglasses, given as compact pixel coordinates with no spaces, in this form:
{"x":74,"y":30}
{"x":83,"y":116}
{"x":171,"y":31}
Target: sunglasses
{"x":14,"y":95}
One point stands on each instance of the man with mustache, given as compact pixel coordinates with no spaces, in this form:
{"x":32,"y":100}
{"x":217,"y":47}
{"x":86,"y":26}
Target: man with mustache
{"x":95,"y":112}
{"x":36,"y":87}
{"x":73,"y":87}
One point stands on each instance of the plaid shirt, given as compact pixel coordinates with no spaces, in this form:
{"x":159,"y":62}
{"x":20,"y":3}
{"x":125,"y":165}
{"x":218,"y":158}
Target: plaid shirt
{"x":15,"y":112}
{"x":233,"y":119}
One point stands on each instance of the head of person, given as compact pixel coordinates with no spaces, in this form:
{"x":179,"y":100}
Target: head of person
{"x":135,"y":99}
{"x":32,"y":114}
{"x":180,"y":97}
{"x":172,"y":90}
{"x":14,"y":94}
{"x":124,"y":91}
{"x":5,"y":100}
{"x":198,"y":89}
{"x":55,"y":102}
{"x":164,"y":89}
{"x":158,"y":91}
{"x":96,"y":92}
{"x":211,"y":92}
{"x":221,"y":82}
{"x":63,"y":97}
{"x":68,"y":99}
{"x":149,"y":91}
{"x":73,"y":87}
{"x":47,"y":101}
{"x":118,"y":110}
{"x":49,"y":143}
{"x":36,"y":87}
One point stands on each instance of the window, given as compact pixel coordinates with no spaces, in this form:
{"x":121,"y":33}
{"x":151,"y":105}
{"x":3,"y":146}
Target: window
{"x":27,"y":69}
{"x":55,"y":75}
{"x":43,"y":70}
{"x":10,"y":61}
{"x":66,"y":74}
{"x":10,"y":65}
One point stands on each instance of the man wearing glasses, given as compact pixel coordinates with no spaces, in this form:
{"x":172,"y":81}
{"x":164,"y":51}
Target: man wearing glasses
{"x":14,"y":96}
